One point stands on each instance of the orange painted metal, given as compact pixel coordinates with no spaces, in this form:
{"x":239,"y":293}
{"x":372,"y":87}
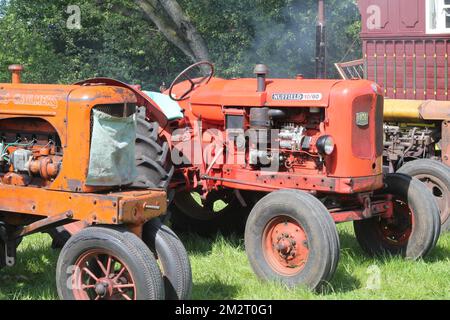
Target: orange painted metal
{"x":55,"y":186}
{"x":127,"y":208}
{"x":285,"y":246}
{"x":67,"y":110}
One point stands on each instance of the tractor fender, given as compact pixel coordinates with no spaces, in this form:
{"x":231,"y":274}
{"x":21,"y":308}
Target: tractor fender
{"x":154,"y":111}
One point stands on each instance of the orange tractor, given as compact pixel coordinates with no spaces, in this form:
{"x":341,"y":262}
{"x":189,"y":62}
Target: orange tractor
{"x":295,"y":155}
{"x":68,"y":156}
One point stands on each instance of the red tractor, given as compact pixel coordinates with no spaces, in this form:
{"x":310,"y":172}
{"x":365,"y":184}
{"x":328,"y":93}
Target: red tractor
{"x":299,"y":155}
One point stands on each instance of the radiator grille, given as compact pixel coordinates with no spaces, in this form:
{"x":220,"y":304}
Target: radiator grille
{"x":363,"y":136}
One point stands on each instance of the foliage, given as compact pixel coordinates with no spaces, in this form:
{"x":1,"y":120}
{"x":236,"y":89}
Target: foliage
{"x":116,"y":41}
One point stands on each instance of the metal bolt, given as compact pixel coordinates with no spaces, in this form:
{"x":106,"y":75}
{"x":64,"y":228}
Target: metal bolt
{"x":151,"y":207}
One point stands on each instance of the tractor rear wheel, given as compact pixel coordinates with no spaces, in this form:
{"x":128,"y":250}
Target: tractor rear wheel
{"x":100,"y":263}
{"x":153,"y":159}
{"x":221,"y":212}
{"x":172,"y":257}
{"x":414,"y":229}
{"x":291,"y":238}
{"x":436,"y":177}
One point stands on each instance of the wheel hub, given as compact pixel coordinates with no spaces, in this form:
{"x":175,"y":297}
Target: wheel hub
{"x":101,"y":289}
{"x":397,"y":230}
{"x":286,"y":245}
{"x":101,"y":276}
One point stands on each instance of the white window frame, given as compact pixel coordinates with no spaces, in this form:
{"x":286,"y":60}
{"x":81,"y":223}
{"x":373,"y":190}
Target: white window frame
{"x":441,"y":27}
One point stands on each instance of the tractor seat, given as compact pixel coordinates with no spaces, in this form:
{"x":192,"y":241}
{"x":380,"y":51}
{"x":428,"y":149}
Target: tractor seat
{"x":170,"y":108}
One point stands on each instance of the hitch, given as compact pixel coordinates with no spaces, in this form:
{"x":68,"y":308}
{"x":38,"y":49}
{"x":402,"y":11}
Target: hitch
{"x":9,"y":246}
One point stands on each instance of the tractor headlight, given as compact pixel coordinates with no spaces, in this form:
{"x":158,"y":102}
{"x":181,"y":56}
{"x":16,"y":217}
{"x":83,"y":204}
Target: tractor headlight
{"x":325,"y":145}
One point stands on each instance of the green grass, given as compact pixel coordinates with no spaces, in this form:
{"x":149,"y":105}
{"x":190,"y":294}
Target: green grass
{"x":221,"y":271}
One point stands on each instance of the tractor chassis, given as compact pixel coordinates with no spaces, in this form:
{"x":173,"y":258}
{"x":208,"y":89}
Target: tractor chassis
{"x":26,"y":211}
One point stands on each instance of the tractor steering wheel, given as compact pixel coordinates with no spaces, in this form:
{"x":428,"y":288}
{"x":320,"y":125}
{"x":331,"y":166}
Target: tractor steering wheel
{"x":194,"y":82}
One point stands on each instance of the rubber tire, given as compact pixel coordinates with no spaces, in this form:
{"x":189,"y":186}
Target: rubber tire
{"x":435,"y":169}
{"x":59,"y":236}
{"x":231,"y":220}
{"x":126,"y":246}
{"x":426,"y":227}
{"x":153,"y":158}
{"x":318,"y":225}
{"x":172,"y":257}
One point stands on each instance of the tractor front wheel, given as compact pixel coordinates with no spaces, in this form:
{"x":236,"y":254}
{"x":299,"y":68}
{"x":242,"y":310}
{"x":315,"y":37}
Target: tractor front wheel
{"x":172,"y":257}
{"x":291,"y":238}
{"x":414,"y":229}
{"x":100,"y":263}
{"x":436,"y":177}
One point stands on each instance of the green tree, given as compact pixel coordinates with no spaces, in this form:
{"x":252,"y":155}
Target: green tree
{"x":119,"y":40}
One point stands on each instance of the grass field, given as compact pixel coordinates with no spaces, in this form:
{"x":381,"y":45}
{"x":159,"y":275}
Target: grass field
{"x":221,"y":271}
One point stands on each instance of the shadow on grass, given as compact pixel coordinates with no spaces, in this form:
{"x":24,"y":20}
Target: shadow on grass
{"x":342,"y":282}
{"x":214,"y":290}
{"x":33,"y":276}
{"x":202,"y":246}
{"x":439,"y":254}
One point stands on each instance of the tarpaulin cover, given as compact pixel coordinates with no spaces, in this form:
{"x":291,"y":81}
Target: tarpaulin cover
{"x":112,"y":158}
{"x":170,"y":108}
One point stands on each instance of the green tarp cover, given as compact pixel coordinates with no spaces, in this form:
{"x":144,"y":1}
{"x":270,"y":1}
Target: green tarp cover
{"x":112,"y":159}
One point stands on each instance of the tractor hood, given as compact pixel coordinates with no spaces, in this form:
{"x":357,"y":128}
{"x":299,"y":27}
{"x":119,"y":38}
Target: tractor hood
{"x":278,"y":93}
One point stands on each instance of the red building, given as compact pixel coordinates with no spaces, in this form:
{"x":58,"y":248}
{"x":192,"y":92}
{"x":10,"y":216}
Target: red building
{"x":406,"y":44}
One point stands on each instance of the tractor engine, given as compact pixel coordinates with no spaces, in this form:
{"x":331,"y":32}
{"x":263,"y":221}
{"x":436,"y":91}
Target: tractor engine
{"x":404,"y":142}
{"x":285,"y":138}
{"x":31,"y":152}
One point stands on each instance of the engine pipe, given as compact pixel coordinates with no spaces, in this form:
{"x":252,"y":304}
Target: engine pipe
{"x":16,"y":70}
{"x":321,"y":72}
{"x":261,"y":72}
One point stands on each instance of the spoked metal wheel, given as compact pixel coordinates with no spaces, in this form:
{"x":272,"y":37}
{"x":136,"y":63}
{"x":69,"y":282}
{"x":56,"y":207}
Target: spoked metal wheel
{"x":99,"y":275}
{"x":100,"y":263}
{"x":286,"y":245}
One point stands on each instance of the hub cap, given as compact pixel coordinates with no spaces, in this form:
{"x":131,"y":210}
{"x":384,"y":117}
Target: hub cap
{"x":285,"y":246}
{"x":397,"y":230}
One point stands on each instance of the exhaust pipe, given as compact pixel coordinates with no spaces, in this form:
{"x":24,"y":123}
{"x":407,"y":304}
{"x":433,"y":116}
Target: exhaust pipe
{"x":261,"y":72}
{"x":16,"y":70}
{"x":321,"y":72}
